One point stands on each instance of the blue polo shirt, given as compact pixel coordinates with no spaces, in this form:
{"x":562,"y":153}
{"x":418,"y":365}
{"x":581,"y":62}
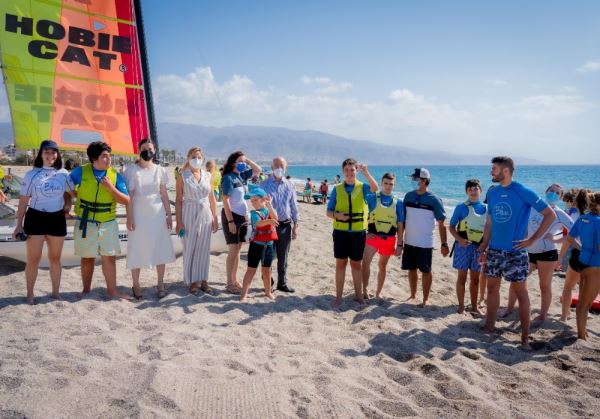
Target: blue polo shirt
{"x":509,"y":208}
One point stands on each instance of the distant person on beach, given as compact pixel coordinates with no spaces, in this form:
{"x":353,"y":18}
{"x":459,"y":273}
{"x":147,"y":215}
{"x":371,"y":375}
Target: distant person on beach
{"x":348,"y":208}
{"x":99,"y":188}
{"x":237,"y":171}
{"x":587,"y":229}
{"x":263,"y":218}
{"x":324,"y":191}
{"x":283,"y":198}
{"x":149,"y":219}
{"x":42,"y":206}
{"x":543,"y":254}
{"x":337,"y":180}
{"x":385,"y":232}
{"x":509,"y":205}
{"x":196,"y":218}
{"x":308,"y":190}
{"x":211,"y":167}
{"x":570,"y":250}
{"x":466,"y":226}
{"x":423,"y":211}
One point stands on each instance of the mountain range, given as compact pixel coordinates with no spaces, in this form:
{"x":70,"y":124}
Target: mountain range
{"x":299,"y":147}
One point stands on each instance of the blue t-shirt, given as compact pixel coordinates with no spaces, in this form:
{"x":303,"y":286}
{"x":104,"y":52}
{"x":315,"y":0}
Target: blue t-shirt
{"x":587,"y":228}
{"x":77,"y":173}
{"x":462,"y":211}
{"x":349,"y":188}
{"x":255,"y":218}
{"x":509,"y":208}
{"x":233,"y":186}
{"x":386,"y":201}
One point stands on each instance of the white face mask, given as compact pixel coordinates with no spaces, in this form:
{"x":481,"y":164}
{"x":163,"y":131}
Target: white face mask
{"x":196,"y":163}
{"x":278,"y":173}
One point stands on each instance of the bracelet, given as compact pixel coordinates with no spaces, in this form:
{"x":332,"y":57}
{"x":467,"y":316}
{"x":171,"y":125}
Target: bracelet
{"x":444,"y":244}
{"x":231,"y":221}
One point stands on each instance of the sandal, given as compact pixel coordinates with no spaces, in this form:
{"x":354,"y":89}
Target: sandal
{"x":206,"y":288}
{"x":161,"y":294}
{"x":139,"y":297}
{"x":194,"y":289}
{"x":232,"y":290}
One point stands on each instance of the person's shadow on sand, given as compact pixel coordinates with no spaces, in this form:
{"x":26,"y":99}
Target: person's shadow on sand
{"x":464,"y":338}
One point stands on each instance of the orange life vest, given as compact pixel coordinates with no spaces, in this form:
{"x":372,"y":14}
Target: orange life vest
{"x":265,"y":233}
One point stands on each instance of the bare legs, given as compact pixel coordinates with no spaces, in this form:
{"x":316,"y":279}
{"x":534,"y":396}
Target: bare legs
{"x":249,"y":275}
{"x":340,"y":276}
{"x":520,"y":290}
{"x":233,"y":260}
{"x":588,"y":290}
{"x":461,"y":282}
{"x":109,"y":270}
{"x":571,"y":279}
{"x":545,"y":272}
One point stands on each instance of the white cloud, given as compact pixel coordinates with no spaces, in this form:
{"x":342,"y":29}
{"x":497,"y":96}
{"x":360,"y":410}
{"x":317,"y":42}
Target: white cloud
{"x":589,"y":67}
{"x":550,"y":107}
{"x":325,"y":85}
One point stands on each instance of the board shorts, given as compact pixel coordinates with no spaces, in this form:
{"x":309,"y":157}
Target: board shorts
{"x":385,"y":245}
{"x":466,"y":257}
{"x":417,"y":258}
{"x":102,"y":239}
{"x":349,"y":244}
{"x":260,"y":253}
{"x":512,"y":265}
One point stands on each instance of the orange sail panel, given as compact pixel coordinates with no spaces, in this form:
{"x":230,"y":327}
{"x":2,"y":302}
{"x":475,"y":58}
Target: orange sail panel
{"x":73,"y":73}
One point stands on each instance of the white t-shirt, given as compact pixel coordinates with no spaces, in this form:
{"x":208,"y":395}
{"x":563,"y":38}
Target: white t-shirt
{"x":556,"y":229}
{"x":46,"y":186}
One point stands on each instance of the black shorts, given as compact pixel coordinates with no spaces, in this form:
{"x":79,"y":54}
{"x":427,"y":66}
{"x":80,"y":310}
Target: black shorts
{"x":349,"y":244}
{"x":40,"y":223}
{"x":241,"y":225}
{"x":574,"y":262}
{"x":549,"y":256}
{"x":417,"y":258}
{"x":260,"y":253}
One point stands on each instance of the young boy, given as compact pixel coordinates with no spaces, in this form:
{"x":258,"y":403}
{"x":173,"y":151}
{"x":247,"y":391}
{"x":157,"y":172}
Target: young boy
{"x":348,"y":209}
{"x":466,"y":226}
{"x":386,"y":217}
{"x":264,"y":223}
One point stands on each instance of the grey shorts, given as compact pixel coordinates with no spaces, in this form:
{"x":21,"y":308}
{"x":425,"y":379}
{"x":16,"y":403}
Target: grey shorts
{"x":513,"y":266}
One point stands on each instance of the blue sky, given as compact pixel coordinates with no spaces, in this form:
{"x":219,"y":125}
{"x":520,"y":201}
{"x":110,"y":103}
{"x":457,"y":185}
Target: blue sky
{"x":483,"y":77}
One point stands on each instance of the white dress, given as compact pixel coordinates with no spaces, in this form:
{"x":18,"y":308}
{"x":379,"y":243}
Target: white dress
{"x":150,"y":243}
{"x":197,"y":220}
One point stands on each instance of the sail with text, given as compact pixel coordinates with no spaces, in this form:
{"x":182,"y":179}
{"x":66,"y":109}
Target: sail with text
{"x":75,"y":72}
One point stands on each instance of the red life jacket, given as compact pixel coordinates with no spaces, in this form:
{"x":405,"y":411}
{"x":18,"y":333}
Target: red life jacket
{"x":266,"y":233}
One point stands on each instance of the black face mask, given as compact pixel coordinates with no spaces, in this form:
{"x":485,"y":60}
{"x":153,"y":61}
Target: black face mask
{"x":146,"y":155}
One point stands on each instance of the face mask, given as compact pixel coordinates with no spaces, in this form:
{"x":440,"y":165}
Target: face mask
{"x":278,"y":173}
{"x":416,"y":184}
{"x":241,"y":167}
{"x":146,"y":155}
{"x":552,"y":197}
{"x":196,"y":163}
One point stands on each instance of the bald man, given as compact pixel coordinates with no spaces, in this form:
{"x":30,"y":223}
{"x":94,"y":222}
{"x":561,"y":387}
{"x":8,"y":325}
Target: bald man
{"x":283,"y":196}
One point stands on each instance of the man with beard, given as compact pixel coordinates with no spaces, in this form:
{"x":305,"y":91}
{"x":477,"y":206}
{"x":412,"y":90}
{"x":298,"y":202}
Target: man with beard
{"x":509,"y":205}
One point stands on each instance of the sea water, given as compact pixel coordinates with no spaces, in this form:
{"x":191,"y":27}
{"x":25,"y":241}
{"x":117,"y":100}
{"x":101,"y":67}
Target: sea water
{"x":448,"y":182}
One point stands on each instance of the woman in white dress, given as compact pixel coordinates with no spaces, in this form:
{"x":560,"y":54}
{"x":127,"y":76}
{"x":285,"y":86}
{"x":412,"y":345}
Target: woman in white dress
{"x":148,"y":219}
{"x":196,"y":217}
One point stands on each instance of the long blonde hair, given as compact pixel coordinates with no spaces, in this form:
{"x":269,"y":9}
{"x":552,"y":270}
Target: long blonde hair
{"x":190,"y":153}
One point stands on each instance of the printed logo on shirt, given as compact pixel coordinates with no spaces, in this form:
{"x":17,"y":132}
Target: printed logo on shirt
{"x":51,"y":187}
{"x":502,"y":212}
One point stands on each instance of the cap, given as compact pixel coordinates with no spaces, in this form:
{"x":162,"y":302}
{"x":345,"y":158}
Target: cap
{"x":421,"y":173}
{"x":260,"y":192}
{"x":48,"y":144}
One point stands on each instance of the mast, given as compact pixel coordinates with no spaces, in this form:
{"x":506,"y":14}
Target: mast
{"x":139,"y":21}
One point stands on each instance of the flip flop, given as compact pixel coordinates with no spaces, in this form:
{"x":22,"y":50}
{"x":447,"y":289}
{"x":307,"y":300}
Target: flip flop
{"x":161,"y":294}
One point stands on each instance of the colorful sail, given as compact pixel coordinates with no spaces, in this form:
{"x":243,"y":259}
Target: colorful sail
{"x":73,"y":73}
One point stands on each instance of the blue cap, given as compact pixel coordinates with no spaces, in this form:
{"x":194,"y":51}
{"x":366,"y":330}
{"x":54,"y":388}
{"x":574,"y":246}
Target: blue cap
{"x":260,"y":192}
{"x":48,"y":144}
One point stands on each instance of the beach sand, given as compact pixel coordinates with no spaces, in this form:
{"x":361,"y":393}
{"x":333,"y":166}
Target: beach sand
{"x":210,"y":356}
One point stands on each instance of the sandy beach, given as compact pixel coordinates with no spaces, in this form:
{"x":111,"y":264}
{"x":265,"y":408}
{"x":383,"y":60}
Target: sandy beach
{"x":210,"y":356}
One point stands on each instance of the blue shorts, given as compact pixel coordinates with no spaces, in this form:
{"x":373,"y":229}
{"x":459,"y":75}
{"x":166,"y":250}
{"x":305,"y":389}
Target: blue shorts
{"x":466,"y":257}
{"x":513,"y":265}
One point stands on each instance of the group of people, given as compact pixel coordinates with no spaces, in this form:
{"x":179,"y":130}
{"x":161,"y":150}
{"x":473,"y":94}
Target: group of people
{"x":515,"y":234}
